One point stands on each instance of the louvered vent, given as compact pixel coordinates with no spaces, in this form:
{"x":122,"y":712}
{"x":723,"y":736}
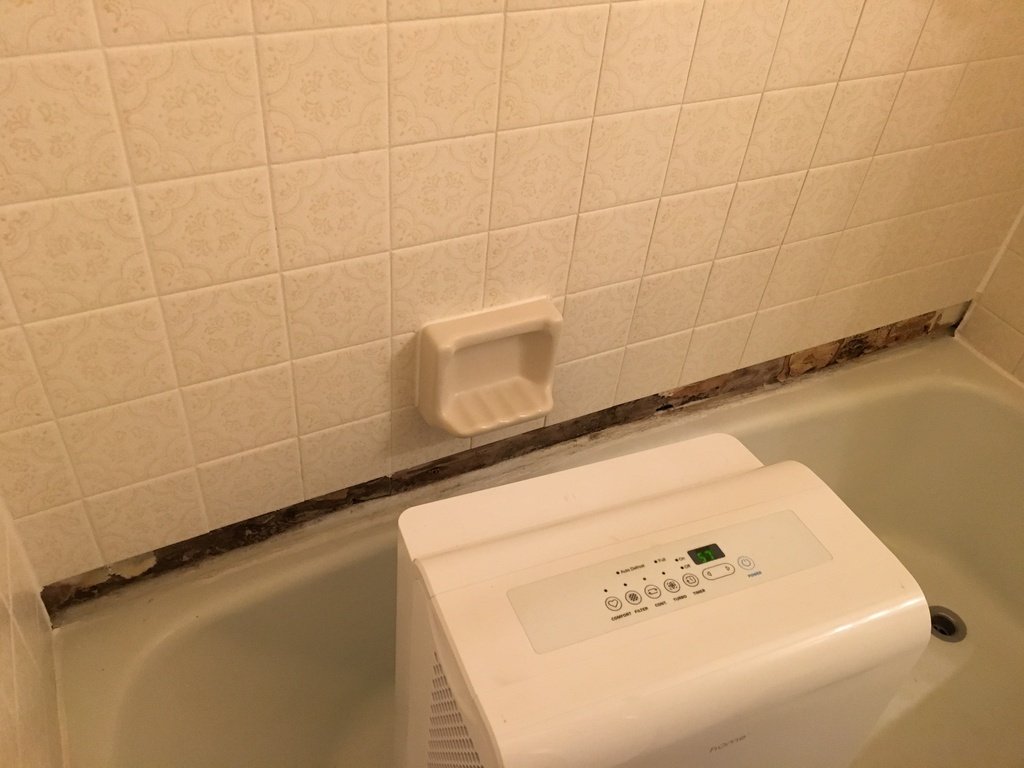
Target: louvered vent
{"x":449,"y":744}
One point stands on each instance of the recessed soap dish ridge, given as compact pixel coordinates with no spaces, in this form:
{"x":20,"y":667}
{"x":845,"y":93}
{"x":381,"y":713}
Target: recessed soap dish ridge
{"x":489,"y":369}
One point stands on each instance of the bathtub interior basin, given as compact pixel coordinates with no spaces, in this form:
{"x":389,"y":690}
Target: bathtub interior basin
{"x":282,"y":654}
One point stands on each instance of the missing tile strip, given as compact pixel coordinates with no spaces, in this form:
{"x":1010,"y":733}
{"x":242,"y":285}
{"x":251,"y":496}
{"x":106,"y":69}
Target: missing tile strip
{"x":62,"y":595}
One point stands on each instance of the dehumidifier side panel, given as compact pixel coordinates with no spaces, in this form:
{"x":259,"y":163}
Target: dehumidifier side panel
{"x":414,"y":659}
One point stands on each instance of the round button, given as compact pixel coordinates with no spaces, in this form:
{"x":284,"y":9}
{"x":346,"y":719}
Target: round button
{"x":652,"y":592}
{"x":672,"y":585}
{"x":690,"y":580}
{"x":744,"y":562}
{"x":612,"y":603}
{"x":633,"y":597}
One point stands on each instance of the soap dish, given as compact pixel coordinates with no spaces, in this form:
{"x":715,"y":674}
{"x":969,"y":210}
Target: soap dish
{"x":488,"y":370}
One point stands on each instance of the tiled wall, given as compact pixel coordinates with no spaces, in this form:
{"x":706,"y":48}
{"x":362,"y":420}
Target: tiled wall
{"x":222,"y":222}
{"x":995,"y":325}
{"x":29,"y":724}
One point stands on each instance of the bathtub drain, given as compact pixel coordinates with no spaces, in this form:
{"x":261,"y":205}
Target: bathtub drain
{"x":947,"y":625}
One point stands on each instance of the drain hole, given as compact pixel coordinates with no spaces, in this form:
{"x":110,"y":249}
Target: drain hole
{"x":947,"y":625}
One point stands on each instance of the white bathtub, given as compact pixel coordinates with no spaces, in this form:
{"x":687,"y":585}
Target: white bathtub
{"x":281,"y":655}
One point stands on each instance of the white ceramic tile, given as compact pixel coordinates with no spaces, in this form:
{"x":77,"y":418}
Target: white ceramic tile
{"x":891,"y":187}
{"x":736,"y":285}
{"x":240,"y":412}
{"x":975,"y":225}
{"x":528,"y":261}
{"x":883,"y":248}
{"x":786,"y":130}
{"x":432,"y":282}
{"x":814,"y":42}
{"x":647,"y":54}
{"x":969,"y":29}
{"x":70,"y":255}
{"x":342,"y":456}
{"x":799,"y":270}
{"x":443,"y":77}
{"x":856,"y":119}
{"x":102,"y":357}
{"x":331,"y":209}
{"x":688,"y":228}
{"x":529,"y":5}
{"x":425,"y":9}
{"x":8,"y":314}
{"x":550,"y":65}
{"x":188,"y":108}
{"x":127,"y":443}
{"x":415,"y":442}
{"x":342,"y":386}
{"x":403,"y":370}
{"x":716,"y":348}
{"x":920,"y":108}
{"x":284,"y":15}
{"x":585,"y":386}
{"x":990,"y":98}
{"x":538,"y":172}
{"x":885,"y":38}
{"x":1002,"y":296}
{"x":971,"y":167}
{"x":127,"y":22}
{"x":710,"y":143}
{"x":611,"y":245}
{"x":248,"y":484}
{"x":596,"y":320}
{"x":325,"y":92}
{"x":59,"y":542}
{"x":440,"y":189}
{"x":208,"y":230}
{"x":734,"y":48}
{"x":34,"y":470}
{"x":826,"y":200}
{"x":64,"y":138}
{"x":779,"y":331}
{"x":628,"y":157}
{"x":338,"y":305}
{"x":760,"y":213}
{"x":497,"y":435}
{"x":46,"y":26}
{"x":144,"y":517}
{"x":668,"y":302}
{"x":22,"y":399}
{"x":994,"y":338}
{"x":226,"y":329}
{"x":651,"y":366}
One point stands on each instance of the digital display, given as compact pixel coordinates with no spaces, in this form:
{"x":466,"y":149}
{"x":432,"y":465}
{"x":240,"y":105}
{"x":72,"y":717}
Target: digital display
{"x":706,"y":554}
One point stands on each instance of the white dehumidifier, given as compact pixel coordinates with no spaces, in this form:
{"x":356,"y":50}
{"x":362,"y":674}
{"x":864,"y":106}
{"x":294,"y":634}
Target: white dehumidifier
{"x":682,"y":607}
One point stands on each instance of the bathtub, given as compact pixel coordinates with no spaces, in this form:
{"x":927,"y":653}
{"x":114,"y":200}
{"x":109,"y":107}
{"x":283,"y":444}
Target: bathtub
{"x":282,"y":654}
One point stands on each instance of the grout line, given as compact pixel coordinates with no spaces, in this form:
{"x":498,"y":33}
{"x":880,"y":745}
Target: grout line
{"x":494,"y":154}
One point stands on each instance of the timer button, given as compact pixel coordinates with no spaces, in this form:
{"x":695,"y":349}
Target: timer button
{"x":633,"y":597}
{"x":745,"y":562}
{"x":690,"y":580}
{"x":612,"y":603}
{"x":652,"y":592}
{"x":719,"y":571}
{"x":672,"y":585}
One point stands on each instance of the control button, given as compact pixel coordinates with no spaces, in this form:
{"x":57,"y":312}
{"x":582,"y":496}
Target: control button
{"x":690,"y":580}
{"x":745,"y":562}
{"x":652,"y":592}
{"x":719,"y":571}
{"x":633,"y":597}
{"x":672,"y":585}
{"x":612,"y":603}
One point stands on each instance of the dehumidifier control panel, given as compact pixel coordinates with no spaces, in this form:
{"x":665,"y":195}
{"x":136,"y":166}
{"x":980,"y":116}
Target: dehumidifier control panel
{"x":569,"y":607}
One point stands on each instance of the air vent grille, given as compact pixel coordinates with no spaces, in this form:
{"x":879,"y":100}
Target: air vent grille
{"x":449,"y":744}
